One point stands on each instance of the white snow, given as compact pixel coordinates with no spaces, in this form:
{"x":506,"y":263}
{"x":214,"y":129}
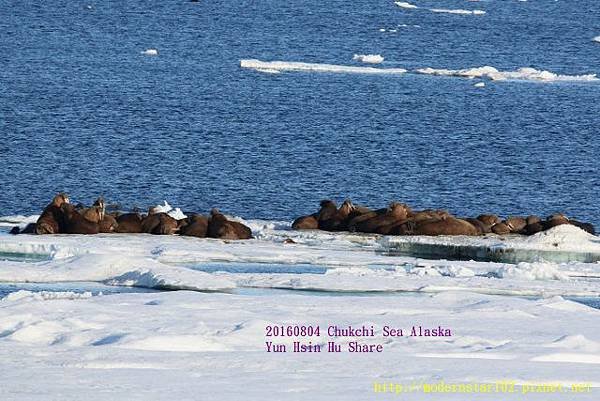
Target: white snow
{"x":368,"y":58}
{"x":315,"y":67}
{"x":134,"y":346}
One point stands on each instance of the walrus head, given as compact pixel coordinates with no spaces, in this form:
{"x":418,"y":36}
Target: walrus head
{"x":60,"y":199}
{"x":399,"y":210}
{"x":347,"y":207}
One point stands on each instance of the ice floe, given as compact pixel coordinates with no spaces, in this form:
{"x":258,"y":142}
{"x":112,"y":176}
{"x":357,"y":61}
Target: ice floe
{"x":457,"y":11}
{"x":561,"y":261}
{"x":404,"y":4}
{"x":368,"y":58}
{"x":523,"y":74}
{"x":150,"y":52}
{"x":492,"y":73}
{"x":315,"y":67}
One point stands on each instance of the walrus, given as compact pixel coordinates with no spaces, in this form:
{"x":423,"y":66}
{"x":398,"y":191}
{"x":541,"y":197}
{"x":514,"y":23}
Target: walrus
{"x":51,"y":221}
{"x":129,"y":223}
{"x":445,"y":226}
{"x":309,"y":222}
{"x":28,"y":229}
{"x":554,"y":220}
{"x":383,"y":223}
{"x":516,"y":224}
{"x":108,"y":224}
{"x":428,"y":214}
{"x":75,"y":223}
{"x":338,"y":220}
{"x":196,"y":226}
{"x":357,"y":218}
{"x":501,"y":228}
{"x":326,"y":216}
{"x":220,"y":227}
{"x":479,"y":225}
{"x":159,"y":224}
{"x":534,"y":225}
{"x":94,"y":214}
{"x":489,"y":220}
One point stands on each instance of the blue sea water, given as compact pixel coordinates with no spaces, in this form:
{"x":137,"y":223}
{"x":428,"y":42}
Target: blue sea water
{"x":84,"y":111}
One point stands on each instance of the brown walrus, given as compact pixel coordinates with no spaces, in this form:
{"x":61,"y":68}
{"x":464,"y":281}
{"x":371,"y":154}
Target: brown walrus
{"x":357,"y":218}
{"x":489,"y":220}
{"x":445,"y":226}
{"x":28,"y":229}
{"x":51,"y":221}
{"x":554,"y":220}
{"x":383,"y":223}
{"x":338,"y":220}
{"x":75,"y":223}
{"x":479,"y":225}
{"x":534,"y":225}
{"x":516,"y":224}
{"x":159,"y":224}
{"x":309,"y":222}
{"x":108,"y":224}
{"x":501,"y":228}
{"x":129,"y":223}
{"x":220,"y":227}
{"x":196,"y":226}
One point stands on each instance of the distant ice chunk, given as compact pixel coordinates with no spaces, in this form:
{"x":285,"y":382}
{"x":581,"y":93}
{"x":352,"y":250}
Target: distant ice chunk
{"x":404,"y":4}
{"x":479,"y":85}
{"x":150,"y":52}
{"x":315,"y":67}
{"x":368,"y":58}
{"x":596,"y":39}
{"x":457,"y":11}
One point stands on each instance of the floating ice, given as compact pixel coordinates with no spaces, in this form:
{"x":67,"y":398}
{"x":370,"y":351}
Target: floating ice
{"x":150,"y":52}
{"x":458,"y":11}
{"x":596,"y":39}
{"x":368,"y":58}
{"x":404,"y":4}
{"x":315,"y":67}
{"x":522,"y":74}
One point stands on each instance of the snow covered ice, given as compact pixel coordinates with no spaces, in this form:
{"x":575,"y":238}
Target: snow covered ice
{"x":132,"y":344}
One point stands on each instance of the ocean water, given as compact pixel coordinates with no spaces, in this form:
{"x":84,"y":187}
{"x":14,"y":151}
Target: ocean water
{"x":84,"y":111}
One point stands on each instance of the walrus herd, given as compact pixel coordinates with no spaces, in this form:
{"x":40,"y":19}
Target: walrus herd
{"x":400,"y":219}
{"x":62,"y":217}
